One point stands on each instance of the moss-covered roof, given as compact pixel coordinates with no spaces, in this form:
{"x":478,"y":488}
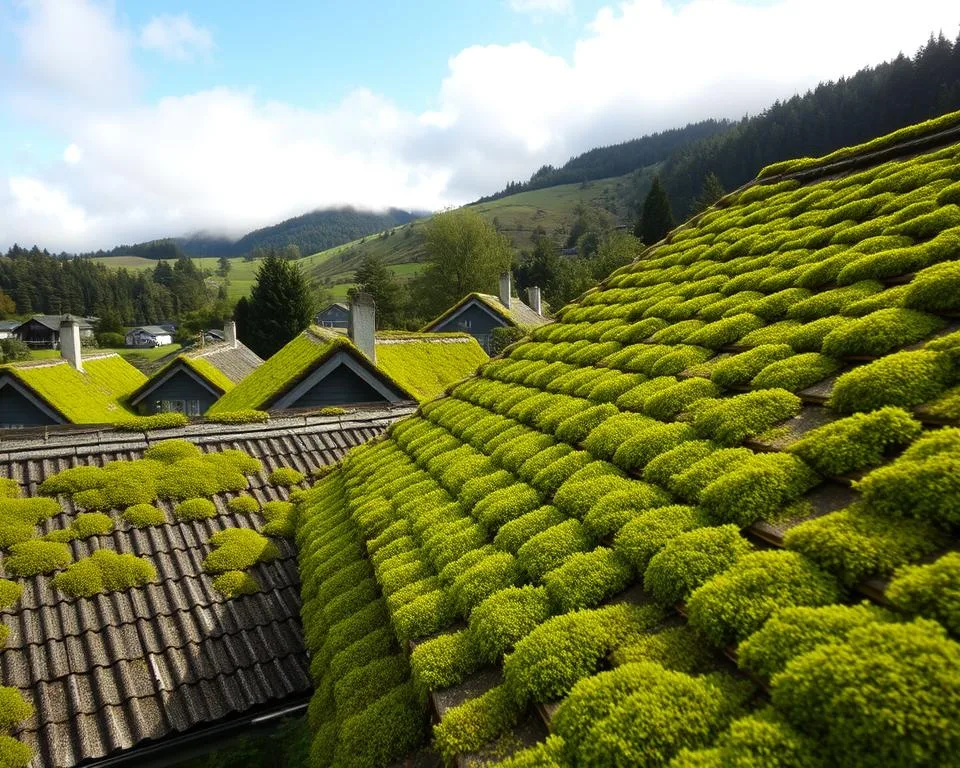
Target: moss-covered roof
{"x":518,"y":314}
{"x":654,"y":519}
{"x":97,"y":395}
{"x":426,"y":364}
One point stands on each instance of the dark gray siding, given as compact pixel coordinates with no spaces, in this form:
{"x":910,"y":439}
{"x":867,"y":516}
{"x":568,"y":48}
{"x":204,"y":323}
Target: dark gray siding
{"x":17,"y":411}
{"x":473,"y":320}
{"x":336,"y":317}
{"x":180,"y":386}
{"x":340,"y":387}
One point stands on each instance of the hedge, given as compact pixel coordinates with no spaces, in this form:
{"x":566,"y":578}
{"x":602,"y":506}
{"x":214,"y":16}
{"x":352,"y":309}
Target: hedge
{"x":930,"y":590}
{"x":906,"y":702}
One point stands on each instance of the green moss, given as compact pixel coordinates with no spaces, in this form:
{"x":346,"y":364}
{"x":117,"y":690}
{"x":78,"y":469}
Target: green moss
{"x":670,"y":402}
{"x":30,"y":511}
{"x":607,"y":437}
{"x":31,"y":558}
{"x":143,"y":515}
{"x":104,"y":571}
{"x":236,"y":549}
{"x":935,"y":289}
{"x":15,"y":532}
{"x":442,"y":661}
{"x":586,"y":579}
{"x":206,"y":476}
{"x":796,"y":373}
{"x":795,"y":631}
{"x":13,"y":707}
{"x":505,"y":618}
{"x":14,"y":754}
{"x":476,"y":722}
{"x":809,"y":336}
{"x":549,"y":548}
{"x":285,"y":476}
{"x":9,"y":488}
{"x":733,"y":605}
{"x":243,"y":416}
{"x":662,"y":469}
{"x":490,"y":574}
{"x":903,"y":379}
{"x":880,"y":332}
{"x":901,"y":673}
{"x":575,"y":429}
{"x":10,"y":592}
{"x":243,"y":505}
{"x":737,"y":370}
{"x":900,"y":261}
{"x":731,"y":420}
{"x":195,"y":509}
{"x":932,"y":591}
{"x":235,"y":584}
{"x":171,"y":451}
{"x":280,"y":518}
{"x":833,"y":302}
{"x":856,"y":442}
{"x":155,"y":421}
{"x":84,"y":526}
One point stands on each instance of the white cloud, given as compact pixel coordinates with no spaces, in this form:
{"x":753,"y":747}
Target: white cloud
{"x":541,"y":6}
{"x":176,"y":37}
{"x":226,"y":161}
{"x":72,"y":154}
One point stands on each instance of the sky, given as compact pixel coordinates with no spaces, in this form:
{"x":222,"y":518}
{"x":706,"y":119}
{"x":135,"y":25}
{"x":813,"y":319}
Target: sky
{"x":128,"y":121}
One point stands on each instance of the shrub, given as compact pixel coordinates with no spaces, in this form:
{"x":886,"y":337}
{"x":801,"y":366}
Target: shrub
{"x":935,"y":289}
{"x":243,"y":505}
{"x":235,"y":584}
{"x":243,"y":416}
{"x":10,"y":592}
{"x":491,"y":574}
{"x":104,"y":571}
{"x":796,"y":373}
{"x":280,"y":518}
{"x":793,"y":632}
{"x":755,"y":488}
{"x":731,"y":420}
{"x":505,"y":618}
{"x":856,"y":442}
{"x":887,"y":695}
{"x":549,"y":548}
{"x":733,"y":605}
{"x":855,"y":543}
{"x":236,"y":549}
{"x":285,"y":477}
{"x":442,"y":661}
{"x":880,"y":332}
{"x":586,"y":579}
{"x":931,"y":590}
{"x":384,"y":732}
{"x":31,"y":558}
{"x":194,"y":509}
{"x":549,"y":661}
{"x":737,"y":370}
{"x":671,"y":401}
{"x":903,"y":379}
{"x":146,"y":423}
{"x":687,"y":560}
{"x":663,"y":468}
{"x":471,"y":725}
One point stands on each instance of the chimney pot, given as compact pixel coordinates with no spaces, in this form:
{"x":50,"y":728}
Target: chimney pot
{"x":230,"y":333}
{"x":533,"y":296}
{"x":362,"y":327}
{"x":70,"y":341}
{"x":505,"y":289}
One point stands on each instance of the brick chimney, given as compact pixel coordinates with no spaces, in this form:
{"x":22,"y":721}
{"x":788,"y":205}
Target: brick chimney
{"x":70,"y":341}
{"x":533,"y":298}
{"x":362,"y":326}
{"x":230,"y":333}
{"x":505,"y":289}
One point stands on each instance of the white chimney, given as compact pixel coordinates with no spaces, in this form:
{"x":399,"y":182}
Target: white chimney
{"x":230,"y":333}
{"x":533,"y":298}
{"x":505,"y":289}
{"x":362,"y":327}
{"x":70,"y":341}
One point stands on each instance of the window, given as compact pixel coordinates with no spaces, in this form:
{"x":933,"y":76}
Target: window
{"x":186,"y":407}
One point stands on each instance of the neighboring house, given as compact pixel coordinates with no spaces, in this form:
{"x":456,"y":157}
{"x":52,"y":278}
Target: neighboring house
{"x":170,"y":669}
{"x":322,"y":367}
{"x":196,"y":378}
{"x":479,"y":313}
{"x":213,"y":335}
{"x":43,"y":331}
{"x":7,"y":328}
{"x":337,"y":315}
{"x":148,"y":336}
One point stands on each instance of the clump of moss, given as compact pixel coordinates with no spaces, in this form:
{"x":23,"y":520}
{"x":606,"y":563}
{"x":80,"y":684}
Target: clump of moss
{"x":13,"y":707}
{"x":84,"y":525}
{"x":236,"y":549}
{"x":10,"y":592}
{"x":31,"y":511}
{"x":13,"y":753}
{"x":171,"y":451}
{"x":155,"y":421}
{"x":796,"y":373}
{"x":30,"y":558}
{"x":195,"y":509}
{"x":9,"y":488}
{"x":323,"y":470}
{"x":244,"y":416}
{"x":930,"y":590}
{"x":14,"y":532}
{"x":243,"y":505}
{"x":104,"y":571}
{"x":285,"y":476}
{"x":280,"y":518}
{"x":236,"y":583}
{"x":903,"y":379}
{"x":731,"y":420}
{"x":143,"y":515}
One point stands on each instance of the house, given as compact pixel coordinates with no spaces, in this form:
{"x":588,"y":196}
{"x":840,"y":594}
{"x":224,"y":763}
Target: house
{"x":43,"y":331}
{"x":148,"y":336}
{"x":213,"y":335}
{"x":152,"y":674}
{"x":336,"y":315}
{"x":322,"y":367}
{"x":479,"y":313}
{"x":71,"y":390}
{"x":7,"y":328}
{"x":196,"y":378}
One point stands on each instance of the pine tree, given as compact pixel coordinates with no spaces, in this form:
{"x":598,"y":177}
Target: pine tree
{"x":281,"y":305}
{"x":656,"y":219}
{"x":375,"y":278}
{"x":711,"y":191}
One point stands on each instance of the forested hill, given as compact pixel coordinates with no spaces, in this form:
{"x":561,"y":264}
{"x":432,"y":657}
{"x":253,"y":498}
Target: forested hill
{"x":311,"y":232}
{"x":875,"y":100}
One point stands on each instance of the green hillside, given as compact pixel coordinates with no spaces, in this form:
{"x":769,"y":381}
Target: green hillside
{"x":707,"y":518}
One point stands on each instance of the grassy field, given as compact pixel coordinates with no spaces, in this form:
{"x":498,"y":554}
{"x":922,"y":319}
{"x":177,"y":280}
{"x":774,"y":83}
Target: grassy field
{"x":147,"y":360}
{"x":401,"y":248}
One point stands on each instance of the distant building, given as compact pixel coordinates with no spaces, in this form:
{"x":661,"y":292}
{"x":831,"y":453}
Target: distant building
{"x":323,"y":367}
{"x":213,"y":335}
{"x":148,"y":336}
{"x":479,"y":313}
{"x":43,"y":331}
{"x":72,"y":390}
{"x":195,"y":379}
{"x":336,"y":315}
{"x":7,"y":328}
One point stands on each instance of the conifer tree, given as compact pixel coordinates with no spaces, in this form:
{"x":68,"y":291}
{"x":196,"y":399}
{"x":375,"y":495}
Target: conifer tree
{"x":711,"y":191}
{"x":281,"y":305}
{"x":656,"y":219}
